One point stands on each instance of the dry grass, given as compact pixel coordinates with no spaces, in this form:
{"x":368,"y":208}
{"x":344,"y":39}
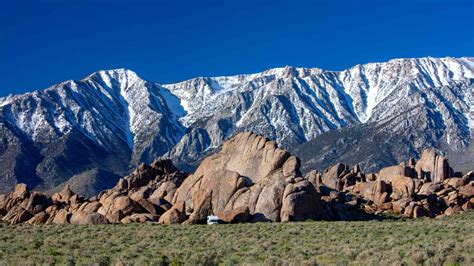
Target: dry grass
{"x":448,"y":241}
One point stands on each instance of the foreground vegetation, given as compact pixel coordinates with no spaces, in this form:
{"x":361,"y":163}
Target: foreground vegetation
{"x":448,"y":241}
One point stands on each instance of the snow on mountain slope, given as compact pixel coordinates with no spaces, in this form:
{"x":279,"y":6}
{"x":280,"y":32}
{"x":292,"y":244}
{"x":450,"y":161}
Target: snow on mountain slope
{"x":294,"y":105}
{"x":106,"y":106}
{"x":117,"y":110}
{"x":113,"y":114}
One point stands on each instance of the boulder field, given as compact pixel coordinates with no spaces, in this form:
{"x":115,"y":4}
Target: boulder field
{"x":252,"y":180}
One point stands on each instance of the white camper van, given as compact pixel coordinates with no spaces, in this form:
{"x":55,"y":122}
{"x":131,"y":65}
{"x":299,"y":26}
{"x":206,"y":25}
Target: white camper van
{"x":212,"y":219}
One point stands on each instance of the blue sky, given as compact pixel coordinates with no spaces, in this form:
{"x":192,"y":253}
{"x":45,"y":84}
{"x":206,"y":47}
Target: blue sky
{"x":45,"y":42}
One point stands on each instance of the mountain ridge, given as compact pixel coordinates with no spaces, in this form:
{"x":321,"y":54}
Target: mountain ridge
{"x":129,"y":120}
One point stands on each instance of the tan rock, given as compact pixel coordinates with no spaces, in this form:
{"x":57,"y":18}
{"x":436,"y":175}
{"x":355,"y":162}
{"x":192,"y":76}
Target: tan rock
{"x":314,"y":177}
{"x":174,"y":215}
{"x":300,"y":202}
{"x":250,"y":171}
{"x":455,"y":182}
{"x":291,"y":166}
{"x":332,"y":177}
{"x":165,"y":191}
{"x":467,"y":190}
{"x":402,"y":187}
{"x":452,"y":210}
{"x":452,"y":198}
{"x":3,"y":203}
{"x":269,"y":199}
{"x":400,"y":205}
{"x":122,"y":184}
{"x":388,"y":173}
{"x":148,"y":206}
{"x":375,"y":191}
{"x":410,"y":209}
{"x":433,"y":167}
{"x":126,"y":205}
{"x":202,"y":203}
{"x":61,"y":217}
{"x":140,"y":177}
{"x":21,"y":191}
{"x":39,"y":218}
{"x":356,"y":169}
{"x":90,"y":207}
{"x":418,"y":212}
{"x":140,"y":218}
{"x":66,"y":196}
{"x":115,"y":216}
{"x":348,"y":180}
{"x":88,"y":218}
{"x":17,"y":215}
{"x":468,"y":205}
{"x":430,"y":188}
{"x":237,"y":215}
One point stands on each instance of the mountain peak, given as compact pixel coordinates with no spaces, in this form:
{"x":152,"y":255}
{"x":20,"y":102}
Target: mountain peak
{"x":118,"y":76}
{"x":291,"y":72}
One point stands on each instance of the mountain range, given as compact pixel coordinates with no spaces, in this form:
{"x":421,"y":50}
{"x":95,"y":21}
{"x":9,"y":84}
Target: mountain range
{"x":89,"y":133}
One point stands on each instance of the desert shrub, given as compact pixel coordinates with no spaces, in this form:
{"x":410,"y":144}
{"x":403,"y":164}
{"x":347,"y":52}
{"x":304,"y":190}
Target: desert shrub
{"x":447,"y":241}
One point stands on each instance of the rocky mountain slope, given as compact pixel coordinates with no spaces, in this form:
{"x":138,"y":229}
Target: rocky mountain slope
{"x":251,"y":179}
{"x":110,"y":121}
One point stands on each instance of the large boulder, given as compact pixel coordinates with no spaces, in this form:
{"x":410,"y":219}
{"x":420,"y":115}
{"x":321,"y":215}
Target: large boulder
{"x":375,"y":191}
{"x":21,"y":191}
{"x":250,"y":171}
{"x":314,"y":177}
{"x":140,"y":177}
{"x":37,"y":202}
{"x":455,"y":182}
{"x":17,"y":215}
{"x":19,"y":195}
{"x":237,"y":215}
{"x":388,"y":172}
{"x":300,"y":202}
{"x":116,"y":205}
{"x":126,"y":205}
{"x":66,"y":196}
{"x":433,"y":167}
{"x":402,"y":187}
{"x":291,"y":167}
{"x":430,"y":188}
{"x":80,"y":217}
{"x":202,"y":208}
{"x":90,"y":207}
{"x":140,"y":218}
{"x":175,"y":215}
{"x":467,"y":190}
{"x":332,"y":176}
{"x":61,"y":217}
{"x":39,"y":218}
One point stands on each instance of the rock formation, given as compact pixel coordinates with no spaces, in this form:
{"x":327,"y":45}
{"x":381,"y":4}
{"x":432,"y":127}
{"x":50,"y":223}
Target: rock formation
{"x":250,"y":172}
{"x":427,"y":188}
{"x":139,"y":197}
{"x":251,"y":179}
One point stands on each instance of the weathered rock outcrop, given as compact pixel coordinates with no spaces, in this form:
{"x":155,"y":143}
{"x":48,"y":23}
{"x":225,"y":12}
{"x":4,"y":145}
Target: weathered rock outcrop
{"x":424,"y":188}
{"x":433,"y":167}
{"x":427,"y":188}
{"x":251,"y":179}
{"x":138,"y":197}
{"x":251,"y":172}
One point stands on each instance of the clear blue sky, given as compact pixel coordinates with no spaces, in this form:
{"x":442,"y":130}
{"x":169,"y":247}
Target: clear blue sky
{"x":46,"y":42}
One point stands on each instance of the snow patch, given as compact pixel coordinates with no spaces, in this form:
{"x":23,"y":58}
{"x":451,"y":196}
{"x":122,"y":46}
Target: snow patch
{"x":174,"y":103}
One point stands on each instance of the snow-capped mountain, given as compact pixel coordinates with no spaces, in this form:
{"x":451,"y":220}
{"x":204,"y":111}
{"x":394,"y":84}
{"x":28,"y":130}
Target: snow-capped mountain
{"x":112,"y":120}
{"x":295,"y":105}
